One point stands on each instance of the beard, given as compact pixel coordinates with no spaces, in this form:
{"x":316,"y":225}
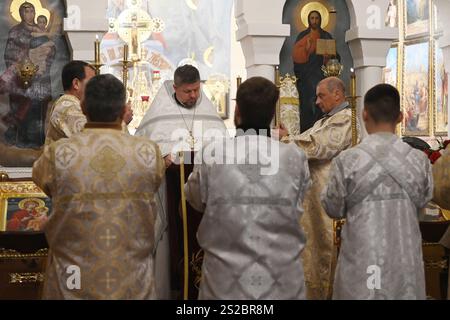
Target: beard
{"x":189,"y":104}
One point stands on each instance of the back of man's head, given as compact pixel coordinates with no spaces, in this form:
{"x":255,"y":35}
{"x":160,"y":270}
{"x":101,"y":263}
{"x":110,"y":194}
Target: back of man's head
{"x":186,"y":74}
{"x":104,"y":99}
{"x":382,"y":104}
{"x":73,"y":70}
{"x":256,"y":99}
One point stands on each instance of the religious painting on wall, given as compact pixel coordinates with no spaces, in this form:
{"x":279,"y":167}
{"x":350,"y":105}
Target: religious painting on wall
{"x":316,"y":38}
{"x":390,"y":71}
{"x":392,"y":14}
{"x":441,"y":94}
{"x":416,"y":106}
{"x":23,"y":207}
{"x":417,"y":17}
{"x":33,"y":51}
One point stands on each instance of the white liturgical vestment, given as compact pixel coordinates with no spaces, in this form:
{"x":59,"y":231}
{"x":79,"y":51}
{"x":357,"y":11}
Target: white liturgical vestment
{"x":379,"y":187}
{"x":169,"y":125}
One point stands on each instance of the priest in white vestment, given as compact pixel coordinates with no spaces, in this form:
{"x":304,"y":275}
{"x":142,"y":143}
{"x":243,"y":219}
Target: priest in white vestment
{"x":102,"y":182}
{"x":251,"y":190}
{"x":180,"y":118}
{"x":379,"y":186}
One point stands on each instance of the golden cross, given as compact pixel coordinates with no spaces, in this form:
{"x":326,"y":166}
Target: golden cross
{"x":108,"y":280}
{"x":108,"y":237}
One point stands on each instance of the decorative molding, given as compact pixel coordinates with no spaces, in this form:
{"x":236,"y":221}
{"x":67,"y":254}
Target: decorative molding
{"x":13,"y":254}
{"x":27,"y":187}
{"x":26,"y":277}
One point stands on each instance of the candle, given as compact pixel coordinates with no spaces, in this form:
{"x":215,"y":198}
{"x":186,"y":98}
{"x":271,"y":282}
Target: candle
{"x":278,"y":106}
{"x":238,"y":81}
{"x":353,"y":82}
{"x":125,"y":52}
{"x":97,"y":50}
{"x":277,"y":75}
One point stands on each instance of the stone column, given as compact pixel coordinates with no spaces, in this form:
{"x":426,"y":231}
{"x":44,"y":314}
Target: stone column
{"x":261,"y":34}
{"x":369,"y":42}
{"x":85,"y":20}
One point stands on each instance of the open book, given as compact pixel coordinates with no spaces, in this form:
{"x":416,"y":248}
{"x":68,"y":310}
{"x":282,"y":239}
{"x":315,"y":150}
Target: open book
{"x":326,"y":47}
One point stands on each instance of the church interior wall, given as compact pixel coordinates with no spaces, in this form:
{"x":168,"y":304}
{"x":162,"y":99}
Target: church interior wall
{"x":237,"y":70}
{"x":416,"y":66}
{"x":81,"y":26}
{"x":374,"y":54}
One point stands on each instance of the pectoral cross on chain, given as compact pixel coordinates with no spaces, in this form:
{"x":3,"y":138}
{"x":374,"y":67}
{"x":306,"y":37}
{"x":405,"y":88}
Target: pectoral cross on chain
{"x":191,"y":140}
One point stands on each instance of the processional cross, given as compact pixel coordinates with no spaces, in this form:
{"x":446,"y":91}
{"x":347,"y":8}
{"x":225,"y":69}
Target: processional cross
{"x":134,"y":26}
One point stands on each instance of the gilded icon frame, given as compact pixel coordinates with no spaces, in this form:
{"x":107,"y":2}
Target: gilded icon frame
{"x":15,"y":196}
{"x":421,"y":27}
{"x":430,"y":85}
{"x":439,"y":94}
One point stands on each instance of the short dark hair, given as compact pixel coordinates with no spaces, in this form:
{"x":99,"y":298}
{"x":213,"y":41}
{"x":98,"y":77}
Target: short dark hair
{"x":73,"y":70}
{"x":382,"y":102}
{"x":104,"y":98}
{"x":186,"y":74}
{"x":256,"y":99}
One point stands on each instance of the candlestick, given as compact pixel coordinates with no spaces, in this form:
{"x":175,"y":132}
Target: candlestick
{"x":278,"y":106}
{"x":353,"y":98}
{"x":353,"y":82}
{"x":185,"y":229}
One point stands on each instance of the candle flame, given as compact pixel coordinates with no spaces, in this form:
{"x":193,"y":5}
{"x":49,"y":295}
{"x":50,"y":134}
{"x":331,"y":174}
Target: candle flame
{"x":96,"y":37}
{"x":352,"y":70}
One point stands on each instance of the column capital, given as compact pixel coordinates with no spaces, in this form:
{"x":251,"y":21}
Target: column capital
{"x":369,"y":47}
{"x":261,"y":33}
{"x":85,"y":20}
{"x":86,"y":16}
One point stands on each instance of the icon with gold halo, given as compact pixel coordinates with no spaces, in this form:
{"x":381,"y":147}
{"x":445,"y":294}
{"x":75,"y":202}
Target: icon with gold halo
{"x":39,"y":9}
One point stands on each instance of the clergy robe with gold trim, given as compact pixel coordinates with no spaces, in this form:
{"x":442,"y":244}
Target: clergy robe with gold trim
{"x":441,"y":194}
{"x":441,"y":175}
{"x":324,"y":141}
{"x":379,"y":187}
{"x":66,"y":118}
{"x":445,"y":241}
{"x":102,"y":183}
